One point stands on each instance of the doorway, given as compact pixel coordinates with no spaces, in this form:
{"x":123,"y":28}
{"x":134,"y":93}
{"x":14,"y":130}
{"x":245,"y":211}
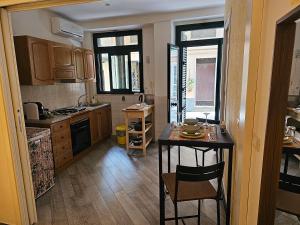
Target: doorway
{"x":273,"y":180}
{"x":199,"y":75}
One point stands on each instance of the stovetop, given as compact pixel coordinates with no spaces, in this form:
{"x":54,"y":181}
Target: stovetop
{"x":68,"y":110}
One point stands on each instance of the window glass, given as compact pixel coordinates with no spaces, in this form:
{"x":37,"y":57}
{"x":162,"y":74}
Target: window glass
{"x":130,"y":40}
{"x":191,"y":35}
{"x":135,"y":71}
{"x":118,"y":41}
{"x":120,"y":73}
{"x":106,"y":41}
{"x":105,"y":72}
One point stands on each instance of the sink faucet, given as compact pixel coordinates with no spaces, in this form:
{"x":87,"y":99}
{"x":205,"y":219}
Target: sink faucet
{"x":78,"y":101}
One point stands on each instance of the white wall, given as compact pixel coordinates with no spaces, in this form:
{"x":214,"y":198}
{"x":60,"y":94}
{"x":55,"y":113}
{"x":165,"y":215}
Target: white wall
{"x":37,"y":23}
{"x":158,"y":31}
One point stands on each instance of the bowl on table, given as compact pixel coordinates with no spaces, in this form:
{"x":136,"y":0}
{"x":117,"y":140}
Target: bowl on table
{"x":190,"y":121}
{"x":192,"y":129}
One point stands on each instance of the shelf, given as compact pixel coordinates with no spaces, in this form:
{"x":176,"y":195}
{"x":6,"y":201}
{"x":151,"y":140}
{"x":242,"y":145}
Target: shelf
{"x":139,"y":132}
{"x":131,"y":146}
{"x":149,"y":141}
{"x":135,"y":147}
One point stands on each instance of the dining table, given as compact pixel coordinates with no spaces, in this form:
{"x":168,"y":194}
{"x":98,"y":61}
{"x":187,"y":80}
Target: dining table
{"x":290,"y":149}
{"x":171,"y":136}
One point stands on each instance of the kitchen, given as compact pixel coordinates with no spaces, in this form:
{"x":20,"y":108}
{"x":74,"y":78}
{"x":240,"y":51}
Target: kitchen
{"x":68,"y":120}
{"x":53,"y":77}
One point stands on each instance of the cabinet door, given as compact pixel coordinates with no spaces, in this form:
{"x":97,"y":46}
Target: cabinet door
{"x":62,"y":60}
{"x":99,"y":116}
{"x":94,"y":127}
{"x":41,"y":69}
{"x":106,"y":122}
{"x":89,"y":64}
{"x":79,"y":63}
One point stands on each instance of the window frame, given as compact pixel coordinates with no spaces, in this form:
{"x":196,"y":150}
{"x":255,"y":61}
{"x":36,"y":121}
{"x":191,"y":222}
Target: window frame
{"x":118,"y":50}
{"x":201,"y":42}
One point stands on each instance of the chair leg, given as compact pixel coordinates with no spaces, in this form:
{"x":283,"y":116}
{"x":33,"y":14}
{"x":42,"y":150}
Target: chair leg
{"x":218,"y":212}
{"x":217,"y":155}
{"x":203,"y":158}
{"x":199,"y":211}
{"x":196,"y":155}
{"x":179,"y":155}
{"x":176,"y":213}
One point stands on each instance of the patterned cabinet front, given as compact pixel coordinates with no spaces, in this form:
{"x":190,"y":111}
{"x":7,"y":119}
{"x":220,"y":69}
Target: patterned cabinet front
{"x":41,"y":159}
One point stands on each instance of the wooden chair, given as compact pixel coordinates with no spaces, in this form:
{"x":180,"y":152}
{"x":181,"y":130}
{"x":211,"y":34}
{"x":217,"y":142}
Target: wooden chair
{"x":193,"y":183}
{"x":288,"y":195}
{"x":205,"y":150}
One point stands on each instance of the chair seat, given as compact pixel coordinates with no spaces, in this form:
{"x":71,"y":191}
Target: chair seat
{"x":188,"y":191}
{"x":288,"y":202}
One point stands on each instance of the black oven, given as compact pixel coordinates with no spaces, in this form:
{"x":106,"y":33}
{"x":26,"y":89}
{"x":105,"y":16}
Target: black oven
{"x":81,"y":135}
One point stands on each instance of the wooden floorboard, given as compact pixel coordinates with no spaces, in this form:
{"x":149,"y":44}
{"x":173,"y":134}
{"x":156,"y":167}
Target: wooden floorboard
{"x":107,"y":187}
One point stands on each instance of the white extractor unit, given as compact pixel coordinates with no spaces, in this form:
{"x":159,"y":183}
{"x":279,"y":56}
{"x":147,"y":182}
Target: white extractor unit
{"x":66,"y":28}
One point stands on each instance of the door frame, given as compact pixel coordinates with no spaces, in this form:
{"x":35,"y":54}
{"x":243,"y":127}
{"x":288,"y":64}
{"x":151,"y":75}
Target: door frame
{"x":280,"y":80}
{"x":202,"y":42}
{"x":170,"y":46}
{"x":26,"y":213}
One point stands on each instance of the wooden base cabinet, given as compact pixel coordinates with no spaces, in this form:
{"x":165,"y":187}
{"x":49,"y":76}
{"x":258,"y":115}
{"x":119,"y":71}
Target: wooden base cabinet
{"x":100,"y":121}
{"x":61,"y":143}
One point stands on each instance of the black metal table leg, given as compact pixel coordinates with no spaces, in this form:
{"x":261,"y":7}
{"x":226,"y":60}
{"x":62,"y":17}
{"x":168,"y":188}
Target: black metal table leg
{"x":286,"y":164}
{"x":221,"y":154}
{"x":179,"y":156}
{"x":169,"y":161}
{"x":229,"y":182}
{"x":161,"y":188}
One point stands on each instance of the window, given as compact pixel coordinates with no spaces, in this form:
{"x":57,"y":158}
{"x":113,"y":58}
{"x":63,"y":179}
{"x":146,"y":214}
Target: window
{"x":119,"y":62}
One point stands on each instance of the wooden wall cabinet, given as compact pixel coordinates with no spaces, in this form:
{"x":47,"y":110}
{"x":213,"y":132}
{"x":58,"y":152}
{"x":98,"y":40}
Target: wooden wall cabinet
{"x":33,"y":60}
{"x":89,"y":65}
{"x":62,"y":61}
{"x":84,"y":64}
{"x":100,"y":120}
{"x":42,"y":62}
{"x":78,"y":55}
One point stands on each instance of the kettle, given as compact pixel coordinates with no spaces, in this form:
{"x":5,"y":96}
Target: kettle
{"x":141,"y":98}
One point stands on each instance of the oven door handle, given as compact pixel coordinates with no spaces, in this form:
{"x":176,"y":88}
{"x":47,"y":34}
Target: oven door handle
{"x":79,"y":121}
{"x":81,"y":128}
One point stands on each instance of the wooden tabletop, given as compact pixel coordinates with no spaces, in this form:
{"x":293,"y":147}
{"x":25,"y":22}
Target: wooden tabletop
{"x":292,"y":148}
{"x":223,"y":140}
{"x":137,"y":108}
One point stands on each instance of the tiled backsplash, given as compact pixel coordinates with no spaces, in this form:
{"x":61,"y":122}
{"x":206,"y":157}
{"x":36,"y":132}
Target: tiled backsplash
{"x":54,"y":96}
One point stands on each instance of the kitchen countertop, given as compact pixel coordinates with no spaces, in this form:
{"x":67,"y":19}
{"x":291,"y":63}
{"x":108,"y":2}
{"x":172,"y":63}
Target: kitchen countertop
{"x":33,"y":132}
{"x":58,"y":118}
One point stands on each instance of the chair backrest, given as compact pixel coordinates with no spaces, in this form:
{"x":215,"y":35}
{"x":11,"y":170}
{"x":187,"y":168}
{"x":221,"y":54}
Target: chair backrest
{"x":208,"y":120}
{"x":197,"y":174}
{"x":289,"y":183}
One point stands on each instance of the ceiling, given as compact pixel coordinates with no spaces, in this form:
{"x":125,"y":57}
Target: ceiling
{"x":115,"y":8}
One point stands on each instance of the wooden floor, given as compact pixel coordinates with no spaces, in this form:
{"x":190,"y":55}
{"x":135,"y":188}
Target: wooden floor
{"x":282,"y":218}
{"x":107,"y":187}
